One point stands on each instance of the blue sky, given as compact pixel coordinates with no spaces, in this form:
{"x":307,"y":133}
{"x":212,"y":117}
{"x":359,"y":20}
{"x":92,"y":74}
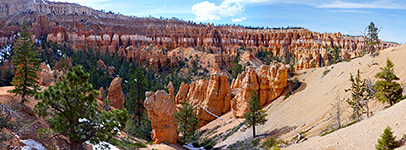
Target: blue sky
{"x":345,"y":16}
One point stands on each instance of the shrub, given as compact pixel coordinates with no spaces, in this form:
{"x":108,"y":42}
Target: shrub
{"x":387,"y":140}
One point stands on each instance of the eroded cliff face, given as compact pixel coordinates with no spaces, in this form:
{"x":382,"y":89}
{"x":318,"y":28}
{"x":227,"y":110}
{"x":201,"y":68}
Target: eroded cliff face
{"x":213,"y":96}
{"x":84,"y":28}
{"x":160,"y":112}
{"x":268,"y":81}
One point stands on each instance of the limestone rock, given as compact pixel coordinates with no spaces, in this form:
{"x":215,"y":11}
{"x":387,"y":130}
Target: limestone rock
{"x":213,"y":95}
{"x":160,"y":112}
{"x":182,"y":93}
{"x":171,"y":90}
{"x":100,"y":96}
{"x":46,"y":76}
{"x":116,"y":95}
{"x":268,"y":81}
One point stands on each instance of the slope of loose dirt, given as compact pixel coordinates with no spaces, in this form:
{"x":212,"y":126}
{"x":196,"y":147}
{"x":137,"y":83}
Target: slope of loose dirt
{"x":310,"y":109}
{"x":362,"y":135}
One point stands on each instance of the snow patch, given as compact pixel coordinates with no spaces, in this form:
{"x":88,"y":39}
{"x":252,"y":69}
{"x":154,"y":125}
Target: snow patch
{"x":37,"y":41}
{"x":83,"y":120}
{"x":102,"y":146}
{"x":32,"y":144}
{"x":191,"y":147}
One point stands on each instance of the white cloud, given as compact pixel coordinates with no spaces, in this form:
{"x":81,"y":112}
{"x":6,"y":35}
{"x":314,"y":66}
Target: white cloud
{"x":381,"y":4}
{"x":206,"y":11}
{"x":352,"y":11}
{"x":238,"y":19}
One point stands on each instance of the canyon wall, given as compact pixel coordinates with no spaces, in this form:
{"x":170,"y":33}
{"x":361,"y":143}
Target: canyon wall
{"x":84,"y":28}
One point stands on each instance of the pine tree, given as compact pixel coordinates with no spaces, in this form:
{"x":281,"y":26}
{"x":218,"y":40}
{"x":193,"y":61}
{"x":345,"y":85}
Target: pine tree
{"x":359,"y":95}
{"x":387,"y":140}
{"x":73,"y":105}
{"x":387,"y":89}
{"x":237,"y":68}
{"x":187,"y":122}
{"x":26,"y":64}
{"x":371,"y":37}
{"x":136,"y":94}
{"x":255,"y":116}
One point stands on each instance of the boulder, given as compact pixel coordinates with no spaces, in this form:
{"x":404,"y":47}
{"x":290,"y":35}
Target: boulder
{"x":116,"y":95}
{"x":160,"y":112}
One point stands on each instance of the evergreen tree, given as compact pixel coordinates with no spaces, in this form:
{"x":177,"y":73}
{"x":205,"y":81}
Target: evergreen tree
{"x":255,"y":116}
{"x":372,"y":37}
{"x":387,"y":140}
{"x":187,"y":122}
{"x":26,"y":65}
{"x":73,"y":105}
{"x":387,"y":89}
{"x":136,"y":94}
{"x":359,"y":95}
{"x":236,"y":68}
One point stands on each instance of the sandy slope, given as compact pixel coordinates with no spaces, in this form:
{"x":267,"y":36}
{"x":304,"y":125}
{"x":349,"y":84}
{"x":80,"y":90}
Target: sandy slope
{"x":310,"y":108}
{"x":362,"y":135}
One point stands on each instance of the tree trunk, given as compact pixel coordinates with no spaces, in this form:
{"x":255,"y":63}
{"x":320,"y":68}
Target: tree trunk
{"x":366,"y":105}
{"x":23,"y":99}
{"x":75,"y":145}
{"x":253,"y":131}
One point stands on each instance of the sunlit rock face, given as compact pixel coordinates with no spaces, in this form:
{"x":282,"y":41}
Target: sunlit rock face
{"x":161,"y":111}
{"x":268,"y":81}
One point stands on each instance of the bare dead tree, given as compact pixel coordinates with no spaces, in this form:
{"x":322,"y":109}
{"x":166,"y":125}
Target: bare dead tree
{"x":337,"y":107}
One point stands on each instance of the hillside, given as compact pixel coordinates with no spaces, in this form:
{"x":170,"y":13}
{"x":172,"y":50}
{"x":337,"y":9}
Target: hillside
{"x":310,"y":109}
{"x":149,"y":68}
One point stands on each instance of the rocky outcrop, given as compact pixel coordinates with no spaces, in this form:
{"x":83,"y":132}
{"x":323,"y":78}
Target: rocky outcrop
{"x":101,"y":94}
{"x":116,"y":95}
{"x":213,"y":96}
{"x":45,"y":75}
{"x":268,"y":81}
{"x":182,"y":93}
{"x":160,"y":112}
{"x":171,"y":89}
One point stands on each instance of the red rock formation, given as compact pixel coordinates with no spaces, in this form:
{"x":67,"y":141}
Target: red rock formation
{"x":268,"y":81}
{"x":160,"y":112}
{"x":171,"y":89}
{"x":100,"y":96}
{"x":116,"y":95}
{"x":46,"y":76}
{"x":182,"y":93}
{"x":213,"y":95}
{"x":110,"y":34}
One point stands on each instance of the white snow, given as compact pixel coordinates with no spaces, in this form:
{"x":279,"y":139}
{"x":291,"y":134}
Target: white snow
{"x":103,"y":146}
{"x":191,"y":147}
{"x":37,"y":41}
{"x":83,"y":120}
{"x":32,"y":144}
{"x":59,"y":52}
